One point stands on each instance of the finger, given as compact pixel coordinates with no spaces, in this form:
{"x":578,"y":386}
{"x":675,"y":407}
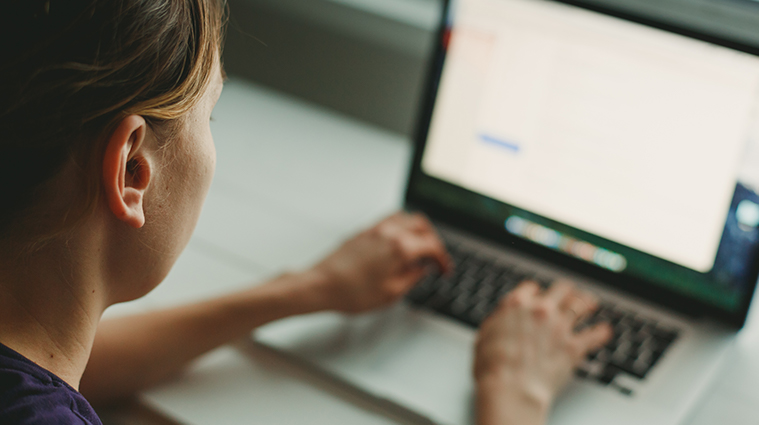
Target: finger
{"x":580,"y":305}
{"x":405,"y":282}
{"x":442,"y":257}
{"x":402,"y":226}
{"x":506,"y":316}
{"x":522,"y":295}
{"x":525,"y":323}
{"x":593,"y":338}
{"x":590,"y":299}
{"x":396,"y":218}
{"x":403,"y":222}
{"x":424,"y":228}
{"x":388,"y":225}
{"x":415,"y":249}
{"x":418,"y":223}
{"x":559,"y":293}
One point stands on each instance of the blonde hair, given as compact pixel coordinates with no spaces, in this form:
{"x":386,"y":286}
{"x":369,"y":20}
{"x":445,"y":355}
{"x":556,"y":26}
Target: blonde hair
{"x":73,"y":70}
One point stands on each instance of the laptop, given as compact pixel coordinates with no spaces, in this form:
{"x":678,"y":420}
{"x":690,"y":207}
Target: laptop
{"x":562,"y":140}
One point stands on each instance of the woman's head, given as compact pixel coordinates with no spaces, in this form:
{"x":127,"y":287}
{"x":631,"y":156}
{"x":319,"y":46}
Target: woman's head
{"x":76,"y":76}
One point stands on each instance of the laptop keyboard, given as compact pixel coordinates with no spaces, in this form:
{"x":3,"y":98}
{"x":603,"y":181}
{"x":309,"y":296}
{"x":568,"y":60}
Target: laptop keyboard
{"x":473,"y":290}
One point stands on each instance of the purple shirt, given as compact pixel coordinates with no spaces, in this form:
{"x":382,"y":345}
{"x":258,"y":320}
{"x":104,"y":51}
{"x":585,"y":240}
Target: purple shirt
{"x":30,"y":395}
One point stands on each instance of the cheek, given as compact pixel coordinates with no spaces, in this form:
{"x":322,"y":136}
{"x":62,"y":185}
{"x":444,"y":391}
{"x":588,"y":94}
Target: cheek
{"x":204,"y":164}
{"x":202,"y":161}
{"x":195,"y":163}
{"x":211,"y":155}
{"x":186,"y":181}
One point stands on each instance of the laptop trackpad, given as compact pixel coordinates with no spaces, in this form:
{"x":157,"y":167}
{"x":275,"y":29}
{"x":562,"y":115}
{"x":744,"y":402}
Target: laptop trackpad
{"x":409,"y":357}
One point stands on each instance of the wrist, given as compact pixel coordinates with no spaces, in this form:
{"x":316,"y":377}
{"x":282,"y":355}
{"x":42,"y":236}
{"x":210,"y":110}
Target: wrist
{"x":289,"y":294}
{"x":309,"y":290}
{"x":503,"y":401}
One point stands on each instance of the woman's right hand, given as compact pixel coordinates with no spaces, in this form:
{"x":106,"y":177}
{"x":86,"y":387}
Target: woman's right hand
{"x":527,"y":350}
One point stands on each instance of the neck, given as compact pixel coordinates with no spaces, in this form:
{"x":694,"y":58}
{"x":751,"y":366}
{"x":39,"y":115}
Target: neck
{"x":52,"y":302}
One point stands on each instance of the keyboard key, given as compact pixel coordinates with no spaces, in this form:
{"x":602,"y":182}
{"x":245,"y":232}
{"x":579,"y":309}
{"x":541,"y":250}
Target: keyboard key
{"x":459,"y":306}
{"x":609,"y":373}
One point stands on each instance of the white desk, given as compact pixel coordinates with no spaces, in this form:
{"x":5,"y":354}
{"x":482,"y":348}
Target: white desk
{"x":292,"y":181}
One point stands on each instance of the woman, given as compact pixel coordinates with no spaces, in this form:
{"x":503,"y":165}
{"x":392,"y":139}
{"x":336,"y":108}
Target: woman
{"x":107,"y":156}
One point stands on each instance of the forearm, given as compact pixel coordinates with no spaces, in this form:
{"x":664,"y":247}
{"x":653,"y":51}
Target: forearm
{"x":133,"y":353}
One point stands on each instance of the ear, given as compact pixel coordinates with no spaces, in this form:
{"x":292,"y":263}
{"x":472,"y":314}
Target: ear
{"x":127,"y":171}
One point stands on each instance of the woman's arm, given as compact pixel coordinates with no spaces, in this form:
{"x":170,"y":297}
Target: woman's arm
{"x":137,"y":352}
{"x":372,"y":270}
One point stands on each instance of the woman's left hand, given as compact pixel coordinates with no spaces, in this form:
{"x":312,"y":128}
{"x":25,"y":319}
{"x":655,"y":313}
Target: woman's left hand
{"x":380,"y":265}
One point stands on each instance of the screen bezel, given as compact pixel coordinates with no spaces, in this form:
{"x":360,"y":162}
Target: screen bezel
{"x":437,"y":211}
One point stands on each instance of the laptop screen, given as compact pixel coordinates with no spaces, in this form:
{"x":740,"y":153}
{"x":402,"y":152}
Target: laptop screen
{"x":627,"y":147}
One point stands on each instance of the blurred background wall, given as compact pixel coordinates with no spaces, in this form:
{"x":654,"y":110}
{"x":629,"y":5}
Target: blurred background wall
{"x":368,"y":58}
{"x":365,"y":58}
